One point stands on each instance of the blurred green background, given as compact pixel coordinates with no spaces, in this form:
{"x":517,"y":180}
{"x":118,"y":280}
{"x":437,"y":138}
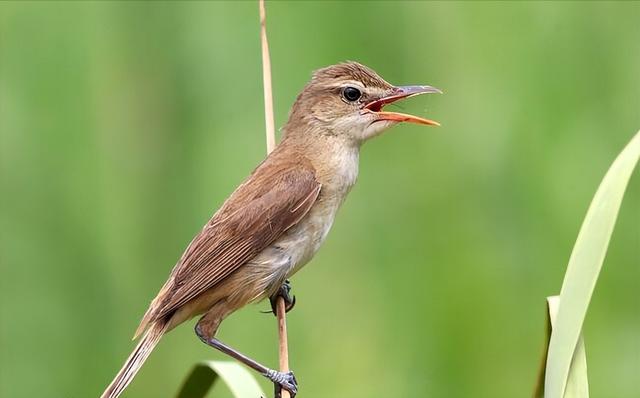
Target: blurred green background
{"x":123,"y":127}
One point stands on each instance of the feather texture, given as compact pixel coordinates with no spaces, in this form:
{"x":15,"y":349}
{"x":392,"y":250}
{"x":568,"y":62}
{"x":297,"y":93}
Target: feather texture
{"x":276,"y":196}
{"x":135,"y":360}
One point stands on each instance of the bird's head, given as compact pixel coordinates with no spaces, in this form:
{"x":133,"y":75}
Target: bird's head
{"x":347,"y":100}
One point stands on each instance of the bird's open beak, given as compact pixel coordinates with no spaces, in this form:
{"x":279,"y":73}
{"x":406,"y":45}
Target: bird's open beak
{"x":401,"y":92}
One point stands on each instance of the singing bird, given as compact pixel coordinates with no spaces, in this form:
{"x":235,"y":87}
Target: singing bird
{"x":276,"y":220}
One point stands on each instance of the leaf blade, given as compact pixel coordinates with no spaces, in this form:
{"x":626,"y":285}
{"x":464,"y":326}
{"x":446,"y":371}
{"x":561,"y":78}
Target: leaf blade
{"x":204,"y":375}
{"x":584,"y":268}
{"x":577,"y":382}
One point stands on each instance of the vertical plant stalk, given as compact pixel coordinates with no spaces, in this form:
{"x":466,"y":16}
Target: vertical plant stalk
{"x":284,"y":343}
{"x":271,"y":143}
{"x":266,"y":79}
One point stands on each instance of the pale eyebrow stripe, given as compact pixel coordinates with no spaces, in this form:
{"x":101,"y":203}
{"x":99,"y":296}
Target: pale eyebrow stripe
{"x":351,"y":83}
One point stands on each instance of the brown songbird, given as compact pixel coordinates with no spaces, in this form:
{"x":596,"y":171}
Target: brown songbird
{"x":276,"y":220}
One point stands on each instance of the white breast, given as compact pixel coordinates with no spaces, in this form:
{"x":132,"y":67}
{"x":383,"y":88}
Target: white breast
{"x":305,"y":238}
{"x":301,"y":242}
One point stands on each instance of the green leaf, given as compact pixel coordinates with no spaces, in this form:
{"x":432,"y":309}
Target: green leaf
{"x":241,"y":383}
{"x":583,"y":270}
{"x":578,"y":382}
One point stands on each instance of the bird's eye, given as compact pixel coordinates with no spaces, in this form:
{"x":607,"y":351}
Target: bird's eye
{"x":351,"y":94}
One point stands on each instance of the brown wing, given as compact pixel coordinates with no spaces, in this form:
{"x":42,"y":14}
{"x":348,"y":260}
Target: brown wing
{"x":274,"y":198}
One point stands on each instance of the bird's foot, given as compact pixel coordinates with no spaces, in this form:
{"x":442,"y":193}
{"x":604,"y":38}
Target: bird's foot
{"x":283,"y":380}
{"x":285,"y":293}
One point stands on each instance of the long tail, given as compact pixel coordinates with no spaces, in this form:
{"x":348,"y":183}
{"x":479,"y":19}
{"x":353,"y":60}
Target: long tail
{"x":136,"y":359}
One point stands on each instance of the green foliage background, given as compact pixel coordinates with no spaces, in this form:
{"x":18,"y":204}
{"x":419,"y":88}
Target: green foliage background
{"x":123,"y":126}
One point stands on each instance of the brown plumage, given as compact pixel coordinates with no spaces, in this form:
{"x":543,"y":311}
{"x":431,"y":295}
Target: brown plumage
{"x":275,"y":197}
{"x":275,"y":221}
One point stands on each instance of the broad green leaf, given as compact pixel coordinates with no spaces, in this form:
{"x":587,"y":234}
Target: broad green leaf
{"x":206,"y":373}
{"x":584,"y":267}
{"x":577,"y":383}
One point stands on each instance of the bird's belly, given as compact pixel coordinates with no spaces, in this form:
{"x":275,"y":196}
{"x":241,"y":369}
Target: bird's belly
{"x":295,"y":248}
{"x":303,"y":240}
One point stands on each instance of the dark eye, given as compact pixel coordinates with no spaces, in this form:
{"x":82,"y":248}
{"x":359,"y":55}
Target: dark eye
{"x":351,"y":94}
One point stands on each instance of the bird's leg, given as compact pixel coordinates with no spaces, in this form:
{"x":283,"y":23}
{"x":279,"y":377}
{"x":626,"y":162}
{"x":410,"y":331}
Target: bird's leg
{"x":285,"y":292}
{"x":280,"y":380}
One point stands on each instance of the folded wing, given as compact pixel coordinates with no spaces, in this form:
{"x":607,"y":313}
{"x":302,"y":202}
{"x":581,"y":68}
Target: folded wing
{"x":273,"y":199}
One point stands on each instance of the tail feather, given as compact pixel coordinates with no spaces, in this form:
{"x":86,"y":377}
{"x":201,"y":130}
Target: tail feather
{"x":153,"y":309}
{"x":136,"y":359}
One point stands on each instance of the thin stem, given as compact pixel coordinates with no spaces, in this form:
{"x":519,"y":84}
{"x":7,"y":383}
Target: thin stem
{"x":271,"y":143}
{"x":266,"y":78}
{"x":282,"y":332}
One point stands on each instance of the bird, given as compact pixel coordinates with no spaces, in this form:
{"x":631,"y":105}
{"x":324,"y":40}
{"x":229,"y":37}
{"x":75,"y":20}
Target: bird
{"x":277,"y":219}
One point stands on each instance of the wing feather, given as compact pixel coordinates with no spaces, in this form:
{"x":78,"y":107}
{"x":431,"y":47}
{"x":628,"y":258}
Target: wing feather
{"x":274,"y":198}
